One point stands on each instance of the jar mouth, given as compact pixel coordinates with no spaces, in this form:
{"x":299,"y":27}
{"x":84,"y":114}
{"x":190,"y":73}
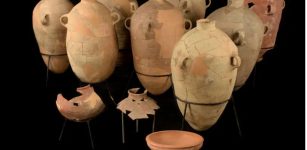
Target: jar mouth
{"x":137,"y":91}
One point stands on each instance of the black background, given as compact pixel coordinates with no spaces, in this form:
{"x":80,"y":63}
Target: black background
{"x":270,"y":106}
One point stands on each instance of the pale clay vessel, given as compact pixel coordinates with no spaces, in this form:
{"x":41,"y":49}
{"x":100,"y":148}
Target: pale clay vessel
{"x":270,"y":12}
{"x":50,"y":34}
{"x":156,"y":26}
{"x":192,"y":9}
{"x":246,"y":29}
{"x":174,"y":140}
{"x":138,"y":105}
{"x":91,"y":40}
{"x":81,"y":108}
{"x":125,"y":8}
{"x":204,"y":69}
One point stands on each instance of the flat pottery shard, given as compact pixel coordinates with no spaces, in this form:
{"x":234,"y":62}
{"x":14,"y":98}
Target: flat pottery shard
{"x":81,"y":108}
{"x":138,"y":105}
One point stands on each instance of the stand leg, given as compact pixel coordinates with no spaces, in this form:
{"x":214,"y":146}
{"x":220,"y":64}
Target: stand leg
{"x":137,"y":126}
{"x":184,"y":114}
{"x":153,"y":123}
{"x":123,"y":129}
{"x":90,"y":133}
{"x":62,"y":130}
{"x":109,"y":93}
{"x":47,"y":72}
{"x":236,"y":116}
{"x":254,"y":76}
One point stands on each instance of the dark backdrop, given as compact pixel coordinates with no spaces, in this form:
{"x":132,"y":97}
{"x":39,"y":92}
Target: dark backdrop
{"x":270,"y":106}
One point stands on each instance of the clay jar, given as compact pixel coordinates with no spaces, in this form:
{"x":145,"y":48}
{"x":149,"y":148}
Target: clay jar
{"x":138,"y":104}
{"x":125,"y":8}
{"x":174,"y":140}
{"x":270,"y":12}
{"x":91,"y":41}
{"x":204,"y":68}
{"x":156,"y":27}
{"x":50,"y":34}
{"x":246,"y":30}
{"x":81,"y":108}
{"x":192,"y":9}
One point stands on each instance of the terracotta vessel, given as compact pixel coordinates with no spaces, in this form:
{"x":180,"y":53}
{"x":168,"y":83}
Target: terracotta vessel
{"x":139,"y":105}
{"x":270,"y":12}
{"x":81,"y":108}
{"x":192,"y":9}
{"x":125,"y":8}
{"x":91,"y":41}
{"x":204,"y":69}
{"x":50,"y":34}
{"x":174,"y":140}
{"x":156,"y":26}
{"x":246,"y":30}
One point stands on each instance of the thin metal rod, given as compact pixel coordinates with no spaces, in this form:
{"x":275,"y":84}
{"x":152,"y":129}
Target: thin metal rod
{"x":123,"y":129}
{"x":90,"y":133}
{"x":153,"y":123}
{"x":137,"y":126}
{"x":254,"y":76}
{"x":110,"y":95}
{"x":184,"y":114}
{"x":236,"y":116}
{"x":62,"y":130}
{"x":47,"y":71}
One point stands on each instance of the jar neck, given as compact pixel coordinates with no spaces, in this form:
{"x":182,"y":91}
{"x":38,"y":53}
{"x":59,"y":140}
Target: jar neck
{"x":235,"y":3}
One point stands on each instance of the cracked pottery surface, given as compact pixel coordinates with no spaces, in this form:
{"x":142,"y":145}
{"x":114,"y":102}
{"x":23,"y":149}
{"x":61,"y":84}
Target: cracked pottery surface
{"x":156,"y":26}
{"x":50,"y":34}
{"x":125,"y":8}
{"x":138,"y":105}
{"x":204,"y":69}
{"x":81,"y":108}
{"x":246,"y":30}
{"x":91,"y":43}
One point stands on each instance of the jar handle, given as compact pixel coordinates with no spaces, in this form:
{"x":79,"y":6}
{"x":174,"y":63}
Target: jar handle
{"x":239,"y":38}
{"x":188,"y":22}
{"x":209,"y":4}
{"x":127,"y":23}
{"x":236,"y":61}
{"x":44,"y":19}
{"x":116,"y":17}
{"x":133,"y":6}
{"x":185,"y":5}
{"x":64,"y":20}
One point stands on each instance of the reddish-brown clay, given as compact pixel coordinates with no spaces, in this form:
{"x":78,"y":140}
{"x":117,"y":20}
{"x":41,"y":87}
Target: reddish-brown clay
{"x":270,"y":12}
{"x":91,"y":41}
{"x":246,"y":30}
{"x":50,"y":34}
{"x":81,"y":108}
{"x":156,"y":26}
{"x":139,"y":105}
{"x":174,"y":140}
{"x":204,"y":68}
